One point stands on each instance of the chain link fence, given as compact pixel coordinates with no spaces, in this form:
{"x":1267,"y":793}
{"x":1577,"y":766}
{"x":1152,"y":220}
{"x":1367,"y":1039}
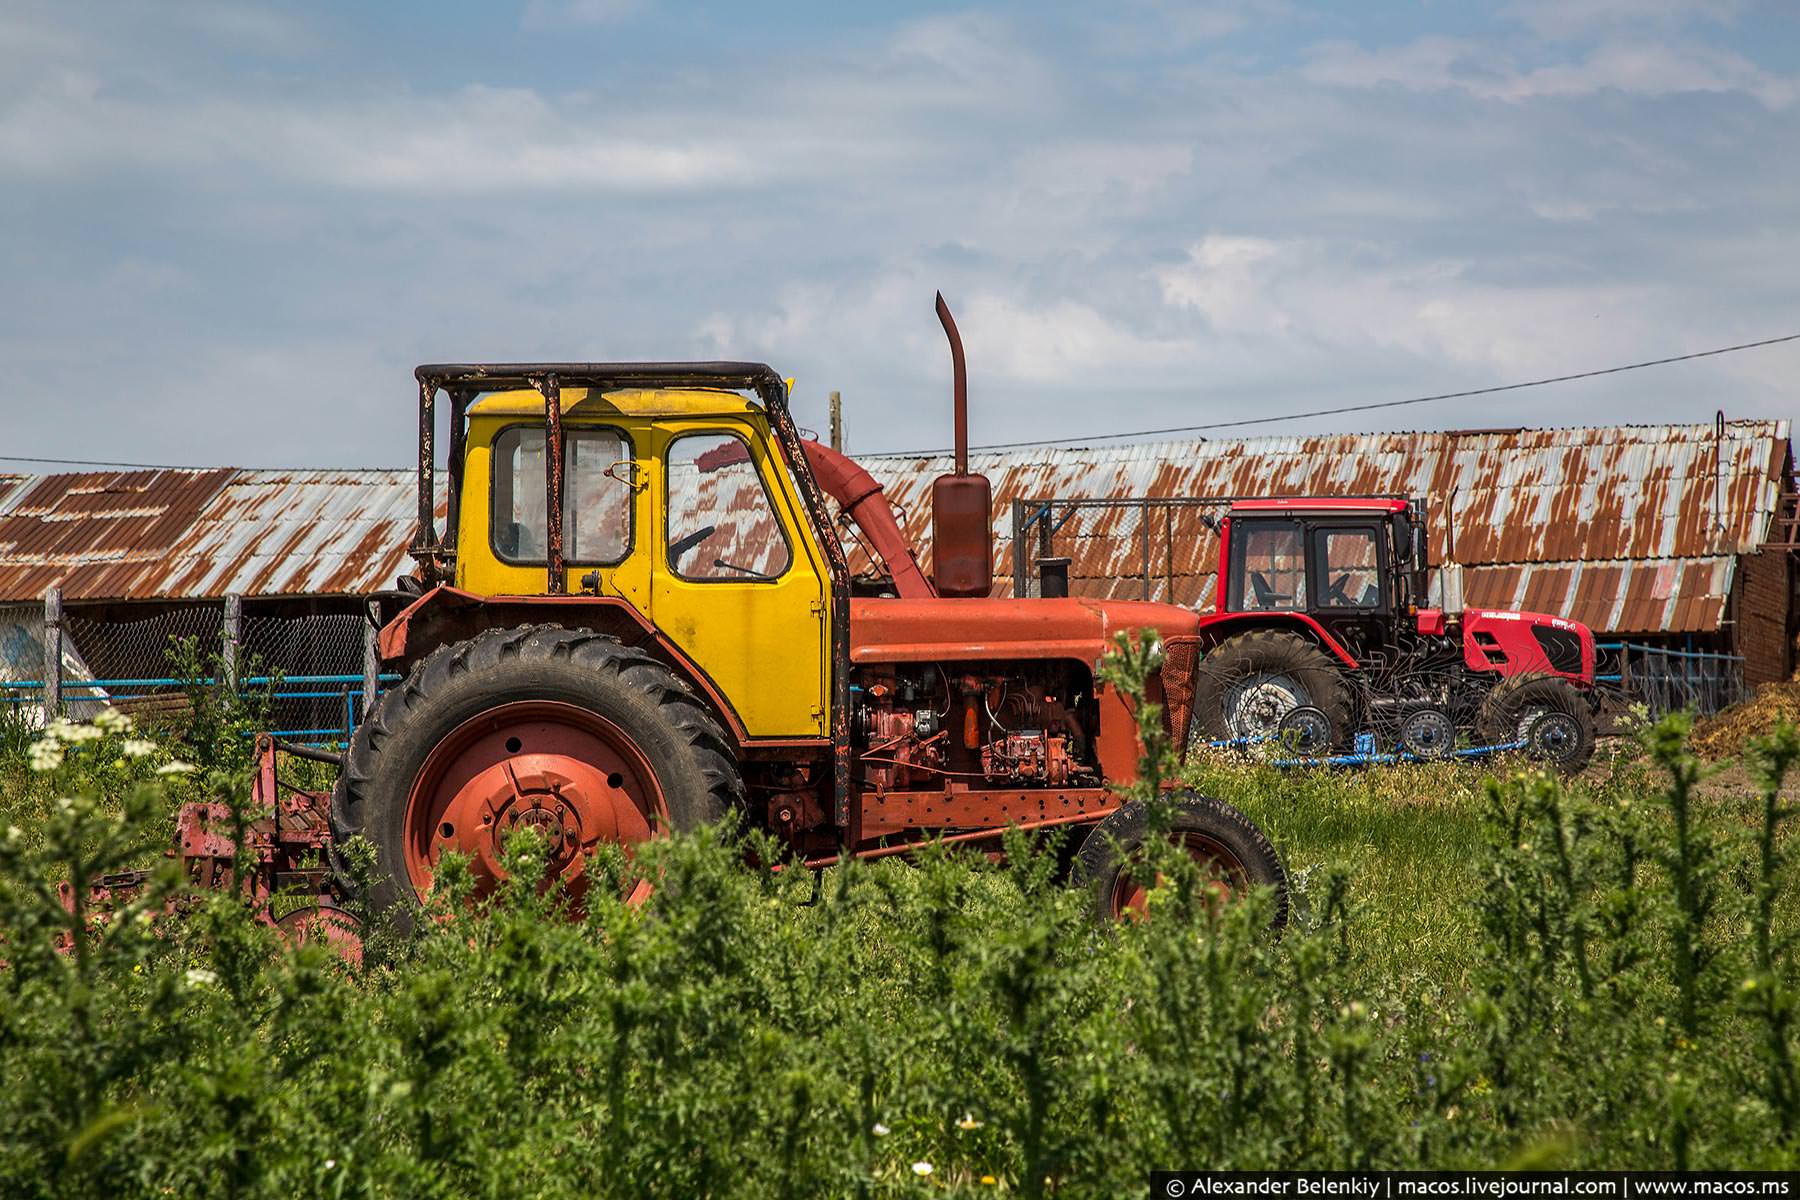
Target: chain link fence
{"x":316,"y":671}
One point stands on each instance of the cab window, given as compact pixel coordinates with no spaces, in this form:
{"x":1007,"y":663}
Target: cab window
{"x":722,"y":524}
{"x":1350,"y":577}
{"x":1268,"y":568}
{"x":596,"y":504}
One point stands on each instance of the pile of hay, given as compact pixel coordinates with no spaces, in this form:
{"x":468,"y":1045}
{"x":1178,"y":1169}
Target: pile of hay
{"x":1724,"y":735}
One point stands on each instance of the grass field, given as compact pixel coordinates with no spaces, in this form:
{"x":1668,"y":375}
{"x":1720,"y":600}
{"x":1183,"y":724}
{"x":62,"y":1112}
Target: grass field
{"x":1478,"y":972}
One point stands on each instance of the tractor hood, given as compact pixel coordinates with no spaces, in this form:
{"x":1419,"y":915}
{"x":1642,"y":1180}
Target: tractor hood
{"x":1522,"y":643}
{"x":934,"y":630}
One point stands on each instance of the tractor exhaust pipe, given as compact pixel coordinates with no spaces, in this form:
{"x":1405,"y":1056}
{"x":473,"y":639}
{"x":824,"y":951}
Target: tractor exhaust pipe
{"x":959,"y":370}
{"x":962,"y":523}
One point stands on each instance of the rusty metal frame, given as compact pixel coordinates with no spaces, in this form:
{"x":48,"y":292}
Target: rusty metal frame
{"x":469,"y":379}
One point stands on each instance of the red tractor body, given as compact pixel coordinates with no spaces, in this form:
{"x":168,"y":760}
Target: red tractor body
{"x":1340,"y":585}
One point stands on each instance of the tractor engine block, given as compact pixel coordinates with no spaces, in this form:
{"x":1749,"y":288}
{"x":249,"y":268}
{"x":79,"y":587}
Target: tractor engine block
{"x":920,"y":726}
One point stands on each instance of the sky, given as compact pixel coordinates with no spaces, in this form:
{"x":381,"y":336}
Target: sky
{"x":230,"y":229}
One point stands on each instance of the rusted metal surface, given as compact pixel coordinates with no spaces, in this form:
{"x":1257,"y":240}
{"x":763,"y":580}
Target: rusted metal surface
{"x":148,"y":535}
{"x":1628,"y":529}
{"x":959,"y":384}
{"x":962,"y":532}
{"x":553,"y":485}
{"x":287,"y":834}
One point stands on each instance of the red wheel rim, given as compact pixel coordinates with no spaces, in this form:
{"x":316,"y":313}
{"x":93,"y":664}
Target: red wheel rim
{"x":328,"y":924}
{"x":1229,"y":877}
{"x":563,"y":770}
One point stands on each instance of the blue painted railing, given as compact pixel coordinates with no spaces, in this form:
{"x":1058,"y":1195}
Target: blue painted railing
{"x":1666,"y":680}
{"x":345,"y":688}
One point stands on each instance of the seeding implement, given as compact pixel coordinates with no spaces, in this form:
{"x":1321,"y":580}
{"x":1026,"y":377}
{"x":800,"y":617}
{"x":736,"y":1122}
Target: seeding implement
{"x":636,"y":617}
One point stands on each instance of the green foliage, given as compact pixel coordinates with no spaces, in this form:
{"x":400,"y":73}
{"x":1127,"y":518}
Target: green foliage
{"x":1592,"y":976}
{"x":220,"y":725}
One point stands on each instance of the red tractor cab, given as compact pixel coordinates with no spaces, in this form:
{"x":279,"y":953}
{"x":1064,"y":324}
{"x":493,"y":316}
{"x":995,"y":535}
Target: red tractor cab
{"x":1324,"y":626}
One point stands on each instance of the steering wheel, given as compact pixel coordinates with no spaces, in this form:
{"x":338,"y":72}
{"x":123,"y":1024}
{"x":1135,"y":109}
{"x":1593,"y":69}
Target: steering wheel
{"x":1336,"y":593}
{"x":682,"y":545}
{"x":1265,"y":591}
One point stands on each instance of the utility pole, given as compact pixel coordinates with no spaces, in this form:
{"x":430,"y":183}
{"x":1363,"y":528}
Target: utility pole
{"x":837,"y":422}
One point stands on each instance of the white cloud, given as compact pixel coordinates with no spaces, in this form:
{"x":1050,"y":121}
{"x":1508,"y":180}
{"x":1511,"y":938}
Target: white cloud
{"x":1573,"y":18}
{"x":1635,"y":67}
{"x":1311,"y":292}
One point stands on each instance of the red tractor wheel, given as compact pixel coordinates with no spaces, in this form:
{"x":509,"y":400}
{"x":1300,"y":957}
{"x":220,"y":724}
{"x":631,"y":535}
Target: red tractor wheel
{"x":565,"y":732}
{"x":327,"y":924}
{"x":1233,"y":851}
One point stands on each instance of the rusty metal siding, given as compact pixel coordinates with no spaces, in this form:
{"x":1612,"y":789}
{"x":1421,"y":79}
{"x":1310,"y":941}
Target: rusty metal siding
{"x":1629,"y":528}
{"x":142,"y":535}
{"x":98,"y":533}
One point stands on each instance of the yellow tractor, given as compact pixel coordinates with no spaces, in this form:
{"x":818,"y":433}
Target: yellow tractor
{"x":637,"y":616}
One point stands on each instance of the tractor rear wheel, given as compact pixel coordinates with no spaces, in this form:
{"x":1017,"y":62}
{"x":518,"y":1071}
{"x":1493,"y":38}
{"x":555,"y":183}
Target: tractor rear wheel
{"x":1225,"y":843}
{"x":1246,"y":685}
{"x":1545,"y":716}
{"x":564,"y":731}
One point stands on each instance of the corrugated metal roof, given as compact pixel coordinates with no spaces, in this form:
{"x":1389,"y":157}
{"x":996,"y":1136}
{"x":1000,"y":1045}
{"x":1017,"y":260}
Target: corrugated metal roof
{"x":1631,"y":529}
{"x":1628,"y":528}
{"x":145,"y":535}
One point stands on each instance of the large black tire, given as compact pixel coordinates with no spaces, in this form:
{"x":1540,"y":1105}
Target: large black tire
{"x":1294,"y":671}
{"x":1207,"y":826}
{"x":1544,"y":712}
{"x":678,"y":738}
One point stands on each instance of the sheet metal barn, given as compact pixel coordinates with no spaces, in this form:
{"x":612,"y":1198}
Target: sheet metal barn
{"x":1676,"y":535}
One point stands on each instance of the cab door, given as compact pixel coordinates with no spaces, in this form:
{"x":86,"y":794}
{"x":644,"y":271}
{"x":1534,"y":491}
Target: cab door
{"x":737,"y":582}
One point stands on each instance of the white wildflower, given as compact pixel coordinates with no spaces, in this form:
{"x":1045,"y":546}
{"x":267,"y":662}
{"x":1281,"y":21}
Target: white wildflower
{"x":72,"y":734}
{"x":46,"y":754}
{"x":879,"y":1130}
{"x":969,"y":1122}
{"x":201,"y":977}
{"x":111,"y":720}
{"x":330,"y":1163}
{"x":921,"y":1168}
{"x":175,"y":767}
{"x":137,"y":748}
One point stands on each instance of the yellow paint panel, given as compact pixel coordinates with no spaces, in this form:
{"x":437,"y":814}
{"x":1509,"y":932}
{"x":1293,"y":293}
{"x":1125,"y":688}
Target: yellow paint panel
{"x":764,"y":644}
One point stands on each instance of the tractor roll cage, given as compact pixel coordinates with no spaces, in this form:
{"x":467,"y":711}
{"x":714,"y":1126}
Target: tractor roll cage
{"x":465,"y":381}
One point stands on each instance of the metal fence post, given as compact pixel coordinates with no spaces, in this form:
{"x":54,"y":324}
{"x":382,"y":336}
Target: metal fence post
{"x":371,"y":655}
{"x":1020,"y":556}
{"x":231,"y":639}
{"x":53,"y":651}
{"x":1144,"y":526}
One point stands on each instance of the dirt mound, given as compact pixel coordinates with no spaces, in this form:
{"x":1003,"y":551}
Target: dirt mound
{"x":1724,"y":735}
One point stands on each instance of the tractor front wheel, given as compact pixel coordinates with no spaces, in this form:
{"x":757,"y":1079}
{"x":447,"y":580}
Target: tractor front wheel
{"x":565,"y":732}
{"x":1544,"y":716}
{"x":1227,"y":845}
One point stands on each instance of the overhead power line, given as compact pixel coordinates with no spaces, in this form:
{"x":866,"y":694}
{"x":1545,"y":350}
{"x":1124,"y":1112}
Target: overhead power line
{"x":97,"y":462}
{"x":1104,"y":437}
{"x":1351,"y":408}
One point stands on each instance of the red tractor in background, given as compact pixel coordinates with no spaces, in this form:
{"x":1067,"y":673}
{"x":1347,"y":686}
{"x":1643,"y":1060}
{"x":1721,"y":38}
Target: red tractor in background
{"x":1323,"y":626}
